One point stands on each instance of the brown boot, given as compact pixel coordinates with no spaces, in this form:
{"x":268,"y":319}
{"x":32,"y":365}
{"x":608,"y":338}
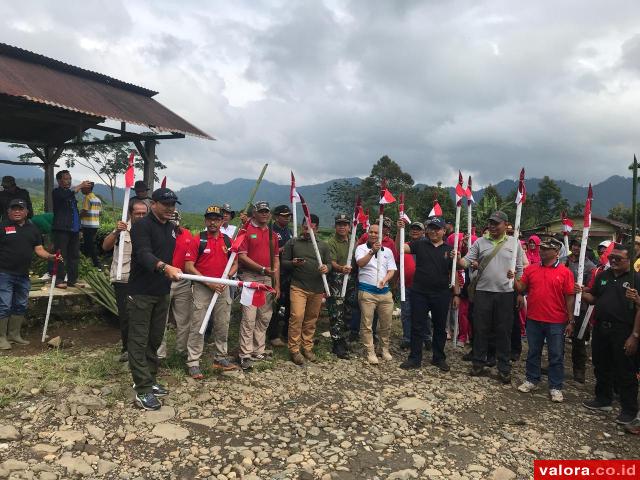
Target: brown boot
{"x":4,"y":344}
{"x":297,"y":358}
{"x":309,"y":355}
{"x":372,"y":358}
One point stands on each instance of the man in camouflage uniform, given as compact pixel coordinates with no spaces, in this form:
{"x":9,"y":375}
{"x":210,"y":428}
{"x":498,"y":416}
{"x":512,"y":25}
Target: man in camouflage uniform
{"x":340,"y":308}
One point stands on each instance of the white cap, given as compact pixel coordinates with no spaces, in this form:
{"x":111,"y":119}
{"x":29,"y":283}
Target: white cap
{"x":605,"y":244}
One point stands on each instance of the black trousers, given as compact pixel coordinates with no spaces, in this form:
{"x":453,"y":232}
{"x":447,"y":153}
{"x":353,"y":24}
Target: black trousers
{"x":89,"y":245}
{"x":612,"y":367}
{"x":493,"y":318}
{"x":147,"y":321}
{"x":69,"y":245}
{"x":123,"y":315}
{"x":579,"y":346}
{"x":284,"y":304}
{"x":516,"y":333}
{"x":436,"y":303}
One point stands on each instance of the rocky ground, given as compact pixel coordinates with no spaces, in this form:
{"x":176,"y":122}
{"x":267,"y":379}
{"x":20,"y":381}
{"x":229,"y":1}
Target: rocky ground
{"x":333,"y":419}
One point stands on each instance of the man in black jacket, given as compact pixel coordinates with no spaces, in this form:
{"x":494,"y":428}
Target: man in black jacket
{"x":66,"y":227}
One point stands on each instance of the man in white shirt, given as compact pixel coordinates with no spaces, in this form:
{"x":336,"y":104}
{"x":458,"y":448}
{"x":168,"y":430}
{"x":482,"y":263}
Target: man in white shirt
{"x":373,"y":294}
{"x":227,"y":216}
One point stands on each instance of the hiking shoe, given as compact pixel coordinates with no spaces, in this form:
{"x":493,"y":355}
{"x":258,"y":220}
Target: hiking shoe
{"x":61,"y":285}
{"x":598,"y":405}
{"x":467,"y":357}
{"x":556,"y":395}
{"x":504,"y":377}
{"x":261,"y":357}
{"x":428,"y":345}
{"x":477,"y":371}
{"x":405,"y":345}
{"x":527,"y":387}
{"x":196,"y":373}
{"x":278,"y":342}
{"x":339,"y":349}
{"x":224,"y":365}
{"x":372,"y":358}
{"x":579,"y":376}
{"x":386,"y":355}
{"x":297,"y":358}
{"x":408,"y":365}
{"x":633,"y":426}
{"x":147,"y":401}
{"x":625,"y":418}
{"x":309,"y":355}
{"x":246,"y":364}
{"x":442,"y":365}
{"x":491,"y":362}
{"x":159,"y":390}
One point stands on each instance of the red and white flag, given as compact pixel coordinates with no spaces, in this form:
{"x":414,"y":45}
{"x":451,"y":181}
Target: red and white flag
{"x":363,"y":219}
{"x":604,"y":258}
{"x":356,"y":212}
{"x":436,"y":211}
{"x":163,"y":184}
{"x":293,"y":193}
{"x":521,"y":196}
{"x":567,"y":223}
{"x":469,"y":193}
{"x":305,"y":210}
{"x":385,"y":195}
{"x":587,"y":208}
{"x":460,"y":191}
{"x":129,"y":176}
{"x":401,"y":211}
{"x":254,"y":294}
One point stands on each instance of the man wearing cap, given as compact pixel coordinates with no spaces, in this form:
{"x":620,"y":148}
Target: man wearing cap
{"x":142,"y":193}
{"x":340,"y":308}
{"x":227,"y":215}
{"x":11,"y":191}
{"x":430,"y":293}
{"x":549,"y":284}
{"x":282,"y":232}
{"x":90,"y":222}
{"x":153,"y":240}
{"x":19,"y":240}
{"x":493,"y":294}
{"x":208,"y":256}
{"x":66,"y":227}
{"x":307,"y":289}
{"x":258,"y":262}
{"x":416,"y":232}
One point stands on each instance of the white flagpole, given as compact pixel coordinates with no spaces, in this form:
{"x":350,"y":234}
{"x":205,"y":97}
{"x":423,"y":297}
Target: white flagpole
{"x":220,"y":281}
{"x":214,"y":299}
{"x":585,"y":322}
{"x":352,"y":246}
{"x":516,"y":235}
{"x":53,"y":285}
{"x":319,"y":258}
{"x":294,"y":216}
{"x":401,"y":252}
{"x":125,"y":210}
{"x":455,"y":244}
{"x":583,"y":253}
{"x":380,"y":236}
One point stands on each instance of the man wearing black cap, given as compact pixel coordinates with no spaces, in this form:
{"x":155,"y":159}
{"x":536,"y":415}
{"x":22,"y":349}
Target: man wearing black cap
{"x":281,"y":230}
{"x":153,"y":240}
{"x":11,"y":191}
{"x":142,"y":193}
{"x":340,"y":308}
{"x":19,"y":239}
{"x":430,"y":293}
{"x":493,"y":294}
{"x":550,"y":307}
{"x":258,"y":261}
{"x":227,"y":215}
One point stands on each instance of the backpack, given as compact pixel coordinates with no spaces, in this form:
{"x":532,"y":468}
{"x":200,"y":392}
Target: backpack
{"x":203,"y":244}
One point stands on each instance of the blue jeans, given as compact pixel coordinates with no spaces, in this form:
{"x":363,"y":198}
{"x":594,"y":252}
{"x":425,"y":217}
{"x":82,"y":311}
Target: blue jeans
{"x":14,"y":294}
{"x":553,"y":333}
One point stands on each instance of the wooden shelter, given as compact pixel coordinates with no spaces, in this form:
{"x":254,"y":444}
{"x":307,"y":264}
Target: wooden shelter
{"x":47,"y":105}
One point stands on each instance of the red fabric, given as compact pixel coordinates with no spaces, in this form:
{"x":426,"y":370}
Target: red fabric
{"x":464,"y":325}
{"x":533,"y":255}
{"x":409,"y":269}
{"x":256,"y":244}
{"x":214,"y":257}
{"x":183,"y":240}
{"x":547,"y":287}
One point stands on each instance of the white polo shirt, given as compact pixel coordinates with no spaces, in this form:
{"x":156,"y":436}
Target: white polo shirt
{"x":368,"y":273}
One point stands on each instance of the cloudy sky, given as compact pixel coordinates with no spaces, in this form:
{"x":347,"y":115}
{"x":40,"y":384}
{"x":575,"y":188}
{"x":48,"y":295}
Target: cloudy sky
{"x":328,"y":87}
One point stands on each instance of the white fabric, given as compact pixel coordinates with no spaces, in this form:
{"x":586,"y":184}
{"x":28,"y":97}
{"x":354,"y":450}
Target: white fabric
{"x":229,"y":230}
{"x":368,"y":273}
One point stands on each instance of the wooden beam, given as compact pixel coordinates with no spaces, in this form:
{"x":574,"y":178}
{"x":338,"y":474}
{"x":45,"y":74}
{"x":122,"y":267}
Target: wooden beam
{"x":141,"y":150}
{"x":128,"y":138}
{"x":150,"y":162}
{"x":30,"y":164}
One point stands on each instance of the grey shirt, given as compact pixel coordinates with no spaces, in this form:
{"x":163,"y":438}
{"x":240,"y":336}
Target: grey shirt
{"x":494,"y":277}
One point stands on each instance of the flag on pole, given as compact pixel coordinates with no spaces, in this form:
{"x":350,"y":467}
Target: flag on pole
{"x":363,"y":218}
{"x":293,"y":193}
{"x":436,"y":211}
{"x":567,"y":223}
{"x":604,"y":258}
{"x":469,"y":193}
{"x":386,"y":197}
{"x":357,"y":212}
{"x":253,"y":297}
{"x":521,"y":196}
{"x":587,"y":208}
{"x":405,"y":217}
{"x":460,"y":191}
{"x":129,"y":175}
{"x":164,"y":182}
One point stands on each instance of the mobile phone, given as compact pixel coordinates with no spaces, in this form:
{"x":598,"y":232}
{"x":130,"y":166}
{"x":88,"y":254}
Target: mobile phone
{"x":299,"y":260}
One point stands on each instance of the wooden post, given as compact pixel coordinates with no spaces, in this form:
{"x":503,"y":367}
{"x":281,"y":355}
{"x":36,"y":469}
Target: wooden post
{"x":149,"y":162}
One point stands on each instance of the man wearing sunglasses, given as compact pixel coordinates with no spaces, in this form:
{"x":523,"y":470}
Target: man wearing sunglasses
{"x":615,"y":335}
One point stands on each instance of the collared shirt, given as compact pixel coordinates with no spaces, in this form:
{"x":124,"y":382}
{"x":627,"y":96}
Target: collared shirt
{"x":256,"y":244}
{"x":229,"y":230}
{"x":387,"y":242}
{"x":368,"y":273}
{"x":433,"y":266}
{"x":214,"y":257}
{"x":305,"y":276}
{"x":184,"y":239}
{"x":92,"y":206}
{"x":16,"y":246}
{"x":152,"y":242}
{"x":283,"y":234}
{"x":126,"y":258}
{"x":547,"y":287}
{"x":339,"y":249}
{"x":494,"y":277}
{"x":611,"y":303}
{"x":573,"y":266}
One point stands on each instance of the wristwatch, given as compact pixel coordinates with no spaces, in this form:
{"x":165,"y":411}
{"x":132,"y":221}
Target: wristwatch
{"x":162,"y":267}
{"x":263,"y":270}
{"x":635,"y":334}
{"x":371,"y":252}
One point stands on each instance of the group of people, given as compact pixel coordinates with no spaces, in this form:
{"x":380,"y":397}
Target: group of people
{"x":491,"y":302}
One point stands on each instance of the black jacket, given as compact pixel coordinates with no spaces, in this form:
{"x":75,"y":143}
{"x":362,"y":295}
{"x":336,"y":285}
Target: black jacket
{"x":65,"y":210}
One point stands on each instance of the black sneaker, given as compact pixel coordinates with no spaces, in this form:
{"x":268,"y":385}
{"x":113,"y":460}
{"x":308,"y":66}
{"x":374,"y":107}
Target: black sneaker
{"x":159,"y":390}
{"x":405,"y":345}
{"x":477,"y":371}
{"x":340,"y":349}
{"x":428,"y":345}
{"x":442,"y":365}
{"x":504,"y":377}
{"x":598,"y":405}
{"x":407,"y":365}
{"x":147,"y":401}
{"x":515,"y":356}
{"x":491,"y":362}
{"x":468,"y":357}
{"x":625,"y":418}
{"x":246,"y":364}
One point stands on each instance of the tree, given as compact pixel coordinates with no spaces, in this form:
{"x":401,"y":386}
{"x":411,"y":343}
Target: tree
{"x":621,"y":213}
{"x":549,"y":200}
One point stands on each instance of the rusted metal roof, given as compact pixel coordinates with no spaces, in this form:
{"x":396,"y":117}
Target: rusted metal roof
{"x":42,"y":80}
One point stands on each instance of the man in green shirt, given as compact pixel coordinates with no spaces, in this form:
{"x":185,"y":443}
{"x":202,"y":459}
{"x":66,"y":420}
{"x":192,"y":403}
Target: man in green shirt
{"x":306,"y":291}
{"x":340,"y":308}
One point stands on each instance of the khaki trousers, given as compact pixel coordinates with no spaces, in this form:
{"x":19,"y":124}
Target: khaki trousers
{"x":255,"y":320}
{"x":180,"y":310}
{"x":369,"y":303}
{"x":220,"y":317}
{"x":305,"y":309}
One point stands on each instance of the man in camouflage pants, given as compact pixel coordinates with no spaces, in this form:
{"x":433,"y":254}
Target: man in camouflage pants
{"x":340,"y":308}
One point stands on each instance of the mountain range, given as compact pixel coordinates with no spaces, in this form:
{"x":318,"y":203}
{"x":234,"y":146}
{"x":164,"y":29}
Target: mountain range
{"x":196,"y":198}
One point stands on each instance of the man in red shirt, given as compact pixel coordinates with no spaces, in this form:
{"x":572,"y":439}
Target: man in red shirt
{"x":549,"y":309}
{"x":258,"y":262}
{"x":208,"y":255}
{"x":181,"y":297}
